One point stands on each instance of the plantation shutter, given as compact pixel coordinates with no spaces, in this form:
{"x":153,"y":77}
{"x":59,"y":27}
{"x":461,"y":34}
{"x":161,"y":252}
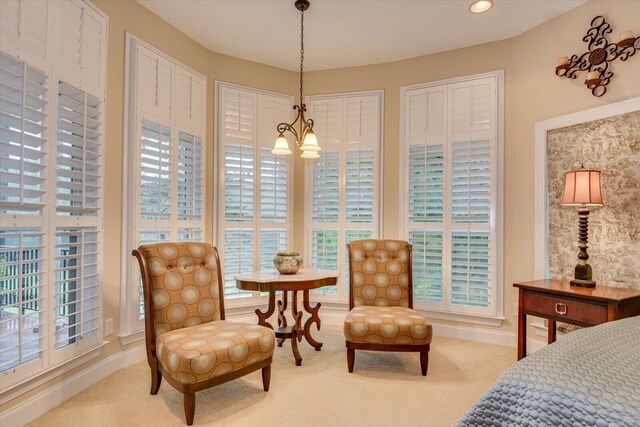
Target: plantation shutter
{"x":24,"y":30}
{"x":426,"y":134}
{"x":78,"y":292}
{"x":238,"y":139}
{"x":344,"y":180}
{"x":81,"y":39}
{"x":450,"y":142}
{"x":22,"y":296}
{"x":23,"y":101}
{"x":472,"y":136}
{"x":190,"y":178}
{"x":155,"y":87}
{"x":256,"y":184}
{"x":78,"y":152}
{"x":190,"y":98}
{"x":155,"y":169}
{"x":64,"y":144}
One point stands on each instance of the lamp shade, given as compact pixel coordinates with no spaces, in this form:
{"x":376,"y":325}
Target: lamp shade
{"x":582,"y":188}
{"x":282,"y":146}
{"x":310,"y":142}
{"x":310,"y":155}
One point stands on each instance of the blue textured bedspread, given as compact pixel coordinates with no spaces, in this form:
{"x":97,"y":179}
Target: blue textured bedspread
{"x":590,"y":377}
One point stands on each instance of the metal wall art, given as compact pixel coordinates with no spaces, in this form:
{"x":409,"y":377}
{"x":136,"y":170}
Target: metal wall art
{"x":600,"y":54}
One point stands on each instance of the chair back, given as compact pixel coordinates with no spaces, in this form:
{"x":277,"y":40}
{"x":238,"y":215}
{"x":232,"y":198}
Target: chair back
{"x":182,"y":284}
{"x":380,"y":273}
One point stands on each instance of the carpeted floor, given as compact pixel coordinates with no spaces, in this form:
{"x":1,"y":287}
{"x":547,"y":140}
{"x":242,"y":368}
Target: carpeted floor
{"x":386,"y":389}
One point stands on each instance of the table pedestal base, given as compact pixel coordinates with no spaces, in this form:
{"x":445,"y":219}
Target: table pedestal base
{"x":297,"y":331}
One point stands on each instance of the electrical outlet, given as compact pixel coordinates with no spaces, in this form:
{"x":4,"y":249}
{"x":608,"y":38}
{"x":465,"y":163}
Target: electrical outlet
{"x":515,"y":309}
{"x":108,"y":327}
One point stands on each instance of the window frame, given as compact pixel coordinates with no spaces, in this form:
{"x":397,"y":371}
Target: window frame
{"x":496,"y":222}
{"x":341,"y":298}
{"x":132,"y":326}
{"x":256,"y":298}
{"x":49,"y":222}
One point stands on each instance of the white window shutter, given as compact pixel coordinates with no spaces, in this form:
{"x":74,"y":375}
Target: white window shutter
{"x":360,"y":185}
{"x":155,"y":171}
{"x":238,"y":178}
{"x":238,"y":257}
{"x":23,"y":101}
{"x":256,"y":203}
{"x":78,"y":152}
{"x":273,"y":187}
{"x":328,"y":120}
{"x":155,"y":86}
{"x":23,"y":262}
{"x":81,"y":46}
{"x":428,"y":258}
{"x":239,"y":115}
{"x":78,"y":292}
{"x":189,"y":101}
{"x":326,"y":186}
{"x":92,"y":58}
{"x":24,"y":28}
{"x":344,"y":182}
{"x":471,"y":269}
{"x":361,"y":119}
{"x":272,"y":241}
{"x":450,"y":151}
{"x":190,"y":178}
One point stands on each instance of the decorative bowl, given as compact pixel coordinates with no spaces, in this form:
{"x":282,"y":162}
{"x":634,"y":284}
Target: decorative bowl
{"x":287,"y":262}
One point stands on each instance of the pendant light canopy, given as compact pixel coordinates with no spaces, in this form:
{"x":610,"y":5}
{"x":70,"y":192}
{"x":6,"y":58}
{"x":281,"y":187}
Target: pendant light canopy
{"x":305,"y":138}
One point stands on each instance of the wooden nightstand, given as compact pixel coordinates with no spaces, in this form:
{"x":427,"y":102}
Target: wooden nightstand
{"x":556,"y":300}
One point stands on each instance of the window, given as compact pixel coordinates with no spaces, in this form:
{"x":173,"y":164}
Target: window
{"x":451,"y":194}
{"x":254,"y":187}
{"x":51,"y":179}
{"x":164,"y":195}
{"x":344,"y":184}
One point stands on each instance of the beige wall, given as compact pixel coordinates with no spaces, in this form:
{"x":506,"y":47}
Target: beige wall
{"x":533,"y":93}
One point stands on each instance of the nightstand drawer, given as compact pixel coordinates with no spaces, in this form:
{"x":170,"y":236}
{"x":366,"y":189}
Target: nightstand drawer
{"x":565,"y":309}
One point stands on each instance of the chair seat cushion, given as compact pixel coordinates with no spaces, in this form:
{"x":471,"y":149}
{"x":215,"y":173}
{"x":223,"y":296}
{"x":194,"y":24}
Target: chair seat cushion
{"x":387,"y":325}
{"x":212,"y":349}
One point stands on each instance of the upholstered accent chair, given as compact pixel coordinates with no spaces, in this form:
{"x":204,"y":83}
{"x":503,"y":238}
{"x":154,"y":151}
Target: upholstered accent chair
{"x":381,"y":316}
{"x":189,"y":342}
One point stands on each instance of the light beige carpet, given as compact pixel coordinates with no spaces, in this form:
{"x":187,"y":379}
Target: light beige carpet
{"x":386,"y":389}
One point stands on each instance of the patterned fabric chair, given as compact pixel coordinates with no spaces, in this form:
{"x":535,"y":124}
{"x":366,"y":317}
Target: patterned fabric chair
{"x":188,"y":341}
{"x":381,"y":316}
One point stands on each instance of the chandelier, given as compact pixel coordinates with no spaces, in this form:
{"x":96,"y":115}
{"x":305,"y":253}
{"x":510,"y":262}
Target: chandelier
{"x":305,"y":138}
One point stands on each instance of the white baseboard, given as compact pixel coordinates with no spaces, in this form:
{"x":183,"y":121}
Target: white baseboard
{"x":43,"y":402}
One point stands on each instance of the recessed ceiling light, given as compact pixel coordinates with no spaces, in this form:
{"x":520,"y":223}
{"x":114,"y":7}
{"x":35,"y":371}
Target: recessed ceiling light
{"x":480,"y":6}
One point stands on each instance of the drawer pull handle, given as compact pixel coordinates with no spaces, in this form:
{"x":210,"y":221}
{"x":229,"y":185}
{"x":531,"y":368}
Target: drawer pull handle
{"x":561,"y":308}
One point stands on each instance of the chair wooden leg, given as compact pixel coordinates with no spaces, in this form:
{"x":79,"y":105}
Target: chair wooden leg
{"x":266,"y":377}
{"x":424,"y":362}
{"x":156,"y":379}
{"x":351,"y":358}
{"x":189,"y":406}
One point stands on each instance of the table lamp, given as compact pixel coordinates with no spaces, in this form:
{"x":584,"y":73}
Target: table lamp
{"x":582,"y":189}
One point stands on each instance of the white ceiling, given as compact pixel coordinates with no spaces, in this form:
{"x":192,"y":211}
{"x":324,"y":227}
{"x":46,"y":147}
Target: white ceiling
{"x":345,"y":33}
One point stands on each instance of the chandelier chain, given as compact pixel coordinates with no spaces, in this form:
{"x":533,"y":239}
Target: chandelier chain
{"x":301,"y":53}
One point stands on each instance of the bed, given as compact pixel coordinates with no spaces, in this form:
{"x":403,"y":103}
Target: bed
{"x":591,"y":377}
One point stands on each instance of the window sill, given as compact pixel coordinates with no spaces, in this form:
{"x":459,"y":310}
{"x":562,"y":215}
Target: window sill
{"x":24,"y":386}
